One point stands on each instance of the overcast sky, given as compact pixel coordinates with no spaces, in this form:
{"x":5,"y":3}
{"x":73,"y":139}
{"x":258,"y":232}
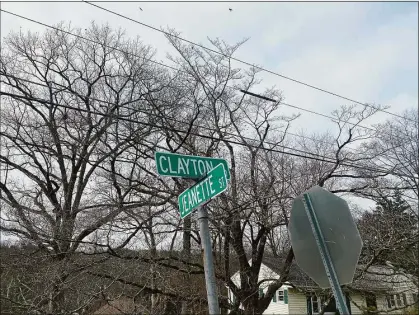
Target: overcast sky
{"x":364,"y":51}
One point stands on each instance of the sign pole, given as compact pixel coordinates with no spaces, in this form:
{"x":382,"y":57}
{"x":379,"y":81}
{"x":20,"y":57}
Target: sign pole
{"x":325,"y":256}
{"x":211,"y":179}
{"x":211,"y":285}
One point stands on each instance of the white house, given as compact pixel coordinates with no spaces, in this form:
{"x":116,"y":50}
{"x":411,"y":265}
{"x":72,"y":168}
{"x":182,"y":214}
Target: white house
{"x":378,"y":288}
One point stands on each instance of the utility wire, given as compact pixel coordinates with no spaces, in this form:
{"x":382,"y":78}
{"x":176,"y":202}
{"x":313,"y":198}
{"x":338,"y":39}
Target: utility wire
{"x":243,"y":62}
{"x":173,"y":68}
{"x":225,"y":133}
{"x":42,"y":101}
{"x":186,"y":123}
{"x":170,"y":67}
{"x":64,"y":89}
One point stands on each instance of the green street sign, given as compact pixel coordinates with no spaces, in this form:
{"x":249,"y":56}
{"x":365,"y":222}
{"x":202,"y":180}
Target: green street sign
{"x":187,"y":166}
{"x":212,"y":185}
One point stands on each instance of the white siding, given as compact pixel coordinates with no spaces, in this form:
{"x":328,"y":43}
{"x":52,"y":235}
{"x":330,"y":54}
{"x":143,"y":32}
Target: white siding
{"x":297,"y":302}
{"x":360,"y":302}
{"x":265,"y":273}
{"x":357,"y":299}
{"x":278,"y":307}
{"x":382,"y":304}
{"x":236,"y":279}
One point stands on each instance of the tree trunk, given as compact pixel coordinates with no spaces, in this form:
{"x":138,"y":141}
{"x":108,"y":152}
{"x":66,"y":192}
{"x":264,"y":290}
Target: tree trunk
{"x":153,"y":256}
{"x":252,"y":310}
{"x":56,"y":299}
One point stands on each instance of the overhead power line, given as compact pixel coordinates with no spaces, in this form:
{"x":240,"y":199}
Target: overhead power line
{"x":324,"y":159}
{"x":61,"y":88}
{"x":244,"y":62}
{"x":172,"y":119}
{"x":334,"y":119}
{"x":172,"y":68}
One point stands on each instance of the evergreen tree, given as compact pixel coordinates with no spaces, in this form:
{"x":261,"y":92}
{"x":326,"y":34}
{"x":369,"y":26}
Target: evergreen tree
{"x":390,"y":233}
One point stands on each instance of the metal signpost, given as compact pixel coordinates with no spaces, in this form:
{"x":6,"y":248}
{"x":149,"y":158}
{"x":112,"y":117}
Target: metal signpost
{"x":211,"y":176}
{"x":330,"y":253}
{"x":211,"y":285}
{"x":325,"y":256}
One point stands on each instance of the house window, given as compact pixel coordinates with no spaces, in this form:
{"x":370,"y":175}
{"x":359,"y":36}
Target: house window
{"x":232,"y":296}
{"x":261,"y":292}
{"x":371,"y":300}
{"x":274,"y":298}
{"x":404,"y":299}
{"x":281,"y":296}
{"x":396,"y":300}
{"x":315,"y":304}
{"x":399,"y":300}
{"x":391,"y":302}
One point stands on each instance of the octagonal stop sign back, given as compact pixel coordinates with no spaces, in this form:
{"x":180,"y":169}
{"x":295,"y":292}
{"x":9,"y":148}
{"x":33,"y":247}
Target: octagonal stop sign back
{"x":339,"y":231}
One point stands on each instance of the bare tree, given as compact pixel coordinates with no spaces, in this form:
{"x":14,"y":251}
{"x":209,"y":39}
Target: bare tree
{"x":395,"y":146}
{"x":252,"y":137}
{"x":82,"y":120}
{"x":62,"y":141}
{"x":390,"y":230}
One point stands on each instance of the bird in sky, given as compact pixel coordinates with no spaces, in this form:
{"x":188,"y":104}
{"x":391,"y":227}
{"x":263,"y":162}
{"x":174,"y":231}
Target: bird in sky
{"x":140,"y":8}
{"x":230,"y":9}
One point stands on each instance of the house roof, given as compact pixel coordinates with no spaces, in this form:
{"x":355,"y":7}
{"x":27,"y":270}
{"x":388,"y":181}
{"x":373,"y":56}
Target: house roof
{"x":373,"y":279}
{"x":380,"y":278}
{"x":296,"y":276}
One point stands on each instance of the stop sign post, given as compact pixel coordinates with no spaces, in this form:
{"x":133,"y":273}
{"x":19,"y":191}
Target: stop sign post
{"x":325,"y":240}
